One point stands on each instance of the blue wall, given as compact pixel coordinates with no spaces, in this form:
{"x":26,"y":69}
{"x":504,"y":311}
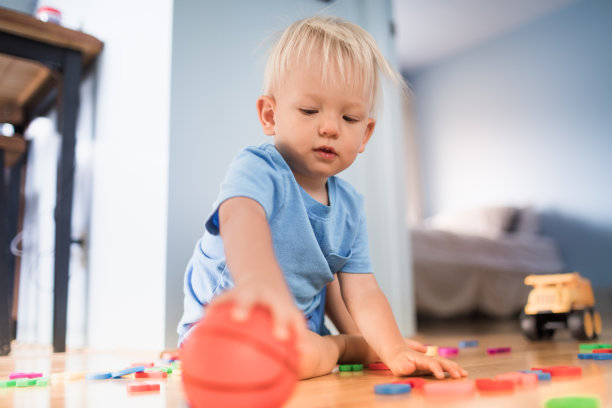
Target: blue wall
{"x":23,"y":6}
{"x":526,"y":119}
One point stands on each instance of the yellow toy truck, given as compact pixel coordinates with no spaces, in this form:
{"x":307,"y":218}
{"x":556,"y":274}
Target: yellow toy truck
{"x":559,"y":301}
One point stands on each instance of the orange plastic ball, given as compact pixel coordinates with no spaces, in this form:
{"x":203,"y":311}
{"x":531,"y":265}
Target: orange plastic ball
{"x":229,"y":364}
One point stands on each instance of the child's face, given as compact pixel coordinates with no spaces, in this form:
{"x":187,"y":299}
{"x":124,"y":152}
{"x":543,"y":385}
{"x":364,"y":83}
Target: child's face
{"x":319,"y":128}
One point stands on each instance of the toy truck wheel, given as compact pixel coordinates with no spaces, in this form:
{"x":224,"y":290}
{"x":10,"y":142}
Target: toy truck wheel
{"x":533,"y":327}
{"x":597,"y":327}
{"x":580,"y":323}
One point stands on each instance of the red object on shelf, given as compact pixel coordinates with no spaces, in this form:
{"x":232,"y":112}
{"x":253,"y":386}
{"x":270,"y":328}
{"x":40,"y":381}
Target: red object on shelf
{"x":237,"y":364}
{"x":49,"y":15}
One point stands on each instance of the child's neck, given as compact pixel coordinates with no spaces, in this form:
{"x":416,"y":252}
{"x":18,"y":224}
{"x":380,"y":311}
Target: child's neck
{"x":321,"y":197}
{"x":316,"y":190}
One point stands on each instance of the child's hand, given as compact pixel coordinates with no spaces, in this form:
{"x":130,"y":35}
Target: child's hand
{"x":287,"y":317}
{"x":371,"y":356}
{"x":404,"y":361}
{"x":415,"y":345}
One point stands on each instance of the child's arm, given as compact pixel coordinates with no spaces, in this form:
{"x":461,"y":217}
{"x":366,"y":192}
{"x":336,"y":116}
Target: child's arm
{"x":336,"y":310}
{"x":372,"y":314}
{"x":257,"y":276}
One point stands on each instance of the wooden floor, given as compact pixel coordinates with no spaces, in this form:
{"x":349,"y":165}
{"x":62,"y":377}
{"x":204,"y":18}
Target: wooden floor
{"x":333,"y":390}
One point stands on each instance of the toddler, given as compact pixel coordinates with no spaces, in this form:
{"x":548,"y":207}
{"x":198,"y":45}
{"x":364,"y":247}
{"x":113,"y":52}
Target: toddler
{"x":285,"y":231}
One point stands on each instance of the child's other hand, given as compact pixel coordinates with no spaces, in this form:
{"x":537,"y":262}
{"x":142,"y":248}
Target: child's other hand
{"x":287,"y":317}
{"x":405,"y":361}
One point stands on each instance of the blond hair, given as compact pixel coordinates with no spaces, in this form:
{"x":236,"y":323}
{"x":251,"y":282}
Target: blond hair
{"x":341,"y":45}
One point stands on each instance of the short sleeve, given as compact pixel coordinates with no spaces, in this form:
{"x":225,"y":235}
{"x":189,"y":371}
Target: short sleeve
{"x":253,"y":174}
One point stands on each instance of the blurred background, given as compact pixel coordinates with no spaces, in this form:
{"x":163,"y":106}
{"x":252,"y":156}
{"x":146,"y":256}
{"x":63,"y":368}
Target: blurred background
{"x":495,"y":165}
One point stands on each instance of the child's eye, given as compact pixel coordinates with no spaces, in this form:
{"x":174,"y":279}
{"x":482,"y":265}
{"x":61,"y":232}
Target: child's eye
{"x":350,"y":119}
{"x":306,"y":111}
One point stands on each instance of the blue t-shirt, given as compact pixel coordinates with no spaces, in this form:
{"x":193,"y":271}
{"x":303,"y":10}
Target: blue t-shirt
{"x":312,"y":241}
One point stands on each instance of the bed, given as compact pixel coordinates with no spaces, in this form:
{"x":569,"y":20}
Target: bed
{"x":477,"y":260}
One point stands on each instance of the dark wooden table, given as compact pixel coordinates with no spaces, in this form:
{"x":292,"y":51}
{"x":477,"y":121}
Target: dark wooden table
{"x":41,"y":66}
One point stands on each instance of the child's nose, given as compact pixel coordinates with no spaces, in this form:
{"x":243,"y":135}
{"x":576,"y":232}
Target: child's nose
{"x":329,"y":127}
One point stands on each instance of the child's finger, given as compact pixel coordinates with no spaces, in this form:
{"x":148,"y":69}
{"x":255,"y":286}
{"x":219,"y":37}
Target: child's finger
{"x":241,"y":308}
{"x":287,"y":320}
{"x":240,"y":312}
{"x":415,"y":345}
{"x":436,"y":369}
{"x":452,"y":371}
{"x":453,"y":368}
{"x":280,"y":331}
{"x":242,"y":304}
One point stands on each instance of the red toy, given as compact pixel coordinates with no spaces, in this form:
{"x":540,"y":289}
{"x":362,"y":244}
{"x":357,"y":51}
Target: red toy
{"x":561,"y":371}
{"x":450,"y":388}
{"x":414,"y":382}
{"x":378,"y":366}
{"x":498,"y":350}
{"x":151,"y":374}
{"x":487,"y":384}
{"x":142,"y":387}
{"x":237,"y":364}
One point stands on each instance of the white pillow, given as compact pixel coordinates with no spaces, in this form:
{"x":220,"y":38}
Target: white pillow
{"x":490,"y":222}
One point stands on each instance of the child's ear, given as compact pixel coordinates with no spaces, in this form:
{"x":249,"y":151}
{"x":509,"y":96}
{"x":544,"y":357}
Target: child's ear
{"x":266,"y":106}
{"x":368,"y":133}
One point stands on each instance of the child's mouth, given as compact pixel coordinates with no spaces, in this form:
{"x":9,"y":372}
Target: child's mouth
{"x":326,"y":152}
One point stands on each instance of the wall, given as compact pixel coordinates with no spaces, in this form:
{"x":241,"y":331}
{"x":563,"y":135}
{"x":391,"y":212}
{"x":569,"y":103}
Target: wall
{"x":127,"y":243}
{"x":22,"y":6}
{"x":116,"y":297}
{"x":526,"y":119}
{"x":218,"y":61}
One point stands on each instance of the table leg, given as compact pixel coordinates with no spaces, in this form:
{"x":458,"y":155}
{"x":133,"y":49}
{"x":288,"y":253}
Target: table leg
{"x":5,"y":309}
{"x":65,"y":183}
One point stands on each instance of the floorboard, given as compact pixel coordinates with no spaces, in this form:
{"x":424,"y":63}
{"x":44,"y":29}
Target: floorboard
{"x":337,"y":389}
